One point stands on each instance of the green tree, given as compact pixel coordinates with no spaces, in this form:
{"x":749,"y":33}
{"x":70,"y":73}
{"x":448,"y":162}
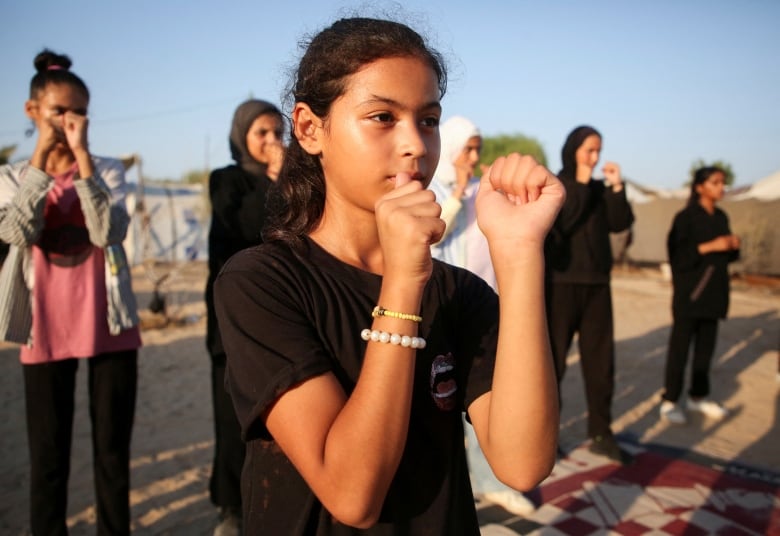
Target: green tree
{"x":503,"y":144}
{"x":700,"y":163}
{"x":6,"y":152}
{"x":195,"y":176}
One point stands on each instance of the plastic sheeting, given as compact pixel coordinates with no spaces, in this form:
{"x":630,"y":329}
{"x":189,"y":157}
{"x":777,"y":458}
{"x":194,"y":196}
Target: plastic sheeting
{"x":169,"y":224}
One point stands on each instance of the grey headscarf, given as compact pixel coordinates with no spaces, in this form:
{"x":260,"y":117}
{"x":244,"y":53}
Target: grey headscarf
{"x":243,"y":118}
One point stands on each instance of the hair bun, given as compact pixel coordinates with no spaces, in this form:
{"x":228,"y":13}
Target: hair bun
{"x":47,"y":59}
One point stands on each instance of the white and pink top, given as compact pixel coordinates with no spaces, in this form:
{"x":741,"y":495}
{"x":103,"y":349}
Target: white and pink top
{"x":69,"y":292}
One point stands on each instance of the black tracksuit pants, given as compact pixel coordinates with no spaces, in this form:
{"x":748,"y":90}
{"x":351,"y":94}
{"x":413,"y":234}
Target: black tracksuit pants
{"x":587,"y":311}
{"x":229,"y":448}
{"x":703,"y":332}
{"x":49,"y":393}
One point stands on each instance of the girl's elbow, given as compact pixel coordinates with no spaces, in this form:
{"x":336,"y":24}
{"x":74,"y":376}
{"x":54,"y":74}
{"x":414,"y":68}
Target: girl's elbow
{"x":103,"y":238}
{"x":110,"y":237}
{"x":527,"y":479}
{"x":523,"y":483}
{"x":358,"y":514}
{"x":543,"y":471}
{"x":100,"y":241}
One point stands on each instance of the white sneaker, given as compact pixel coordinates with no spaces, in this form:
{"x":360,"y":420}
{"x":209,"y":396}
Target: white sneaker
{"x":707,"y":407}
{"x":672,"y":413}
{"x":511,"y":501}
{"x":229,"y":523}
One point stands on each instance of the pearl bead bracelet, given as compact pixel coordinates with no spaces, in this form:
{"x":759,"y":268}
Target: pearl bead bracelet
{"x":393,"y":338}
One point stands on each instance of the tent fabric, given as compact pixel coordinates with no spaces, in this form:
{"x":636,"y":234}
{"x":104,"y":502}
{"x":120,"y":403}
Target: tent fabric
{"x":171,"y":225}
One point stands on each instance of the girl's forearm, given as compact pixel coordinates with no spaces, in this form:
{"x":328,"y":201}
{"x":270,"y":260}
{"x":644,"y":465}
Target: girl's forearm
{"x":523,"y":418}
{"x":85,"y":164}
{"x":372,"y":427}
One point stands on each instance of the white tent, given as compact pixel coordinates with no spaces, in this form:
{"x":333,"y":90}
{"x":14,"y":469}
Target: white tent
{"x":766,"y":189}
{"x":170,"y":224}
{"x":640,"y":193}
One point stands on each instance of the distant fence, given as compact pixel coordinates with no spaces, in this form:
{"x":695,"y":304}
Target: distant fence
{"x":757,"y":223}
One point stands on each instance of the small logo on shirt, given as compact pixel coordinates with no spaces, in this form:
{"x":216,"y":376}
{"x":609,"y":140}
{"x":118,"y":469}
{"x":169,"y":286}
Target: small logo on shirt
{"x":443,"y":385}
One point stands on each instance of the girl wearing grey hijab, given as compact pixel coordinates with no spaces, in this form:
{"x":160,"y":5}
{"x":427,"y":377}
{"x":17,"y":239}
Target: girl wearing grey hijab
{"x":241,"y":145}
{"x":238,"y":202}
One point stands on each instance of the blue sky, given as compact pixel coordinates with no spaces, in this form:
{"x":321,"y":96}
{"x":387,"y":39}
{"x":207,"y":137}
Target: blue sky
{"x":666,"y":82}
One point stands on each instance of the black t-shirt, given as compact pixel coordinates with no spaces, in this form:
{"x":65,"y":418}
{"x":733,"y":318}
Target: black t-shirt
{"x":286,"y":317}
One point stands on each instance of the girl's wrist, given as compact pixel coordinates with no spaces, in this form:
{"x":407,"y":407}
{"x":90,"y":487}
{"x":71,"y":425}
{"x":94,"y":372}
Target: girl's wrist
{"x":516,"y":256}
{"x":82,"y":151}
{"x":39,"y":158}
{"x":84,"y":162}
{"x":401,"y":294}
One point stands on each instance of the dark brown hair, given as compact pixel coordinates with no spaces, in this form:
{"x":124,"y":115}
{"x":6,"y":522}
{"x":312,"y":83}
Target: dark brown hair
{"x":700,"y":176}
{"x":297,"y":198}
{"x":53,"y":68}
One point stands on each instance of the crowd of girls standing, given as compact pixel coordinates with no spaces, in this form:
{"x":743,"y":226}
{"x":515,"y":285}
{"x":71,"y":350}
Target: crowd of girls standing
{"x":348,"y":351}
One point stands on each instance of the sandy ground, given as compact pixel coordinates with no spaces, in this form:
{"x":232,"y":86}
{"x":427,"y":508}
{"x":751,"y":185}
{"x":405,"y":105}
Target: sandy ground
{"x":173,"y":435}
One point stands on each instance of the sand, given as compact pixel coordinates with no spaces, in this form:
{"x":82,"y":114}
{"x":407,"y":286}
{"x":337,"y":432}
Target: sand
{"x":173,"y":435}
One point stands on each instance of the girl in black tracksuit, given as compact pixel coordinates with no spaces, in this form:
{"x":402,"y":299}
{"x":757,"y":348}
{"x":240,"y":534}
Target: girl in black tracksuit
{"x":578,"y":263}
{"x":238,"y":201}
{"x":700,"y":246}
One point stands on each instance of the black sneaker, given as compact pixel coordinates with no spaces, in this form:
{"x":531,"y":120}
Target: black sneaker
{"x":607,"y":446}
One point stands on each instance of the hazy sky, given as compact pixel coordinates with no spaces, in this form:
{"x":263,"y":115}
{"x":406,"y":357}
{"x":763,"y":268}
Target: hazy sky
{"x":666,"y":82}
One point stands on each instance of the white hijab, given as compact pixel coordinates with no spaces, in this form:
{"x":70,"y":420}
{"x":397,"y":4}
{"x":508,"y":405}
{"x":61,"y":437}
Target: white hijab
{"x":455,"y":133}
{"x":465,"y":246}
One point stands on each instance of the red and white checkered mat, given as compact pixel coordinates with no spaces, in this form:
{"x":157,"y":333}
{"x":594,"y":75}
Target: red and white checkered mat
{"x":663,"y":492}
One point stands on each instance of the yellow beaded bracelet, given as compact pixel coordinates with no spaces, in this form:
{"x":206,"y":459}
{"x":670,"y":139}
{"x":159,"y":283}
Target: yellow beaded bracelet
{"x":381,"y":311}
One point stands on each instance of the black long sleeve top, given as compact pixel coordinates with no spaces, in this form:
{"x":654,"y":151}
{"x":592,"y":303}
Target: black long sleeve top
{"x":700,"y":281}
{"x":238,"y":213}
{"x":577,"y":248}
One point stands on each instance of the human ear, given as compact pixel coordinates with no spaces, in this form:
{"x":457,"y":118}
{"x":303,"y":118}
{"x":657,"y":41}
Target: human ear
{"x":307,"y":128}
{"x":31,"y":109}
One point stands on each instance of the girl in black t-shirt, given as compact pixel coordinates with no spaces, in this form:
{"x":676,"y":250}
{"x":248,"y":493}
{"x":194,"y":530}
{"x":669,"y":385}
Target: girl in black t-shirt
{"x":351,"y":352}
